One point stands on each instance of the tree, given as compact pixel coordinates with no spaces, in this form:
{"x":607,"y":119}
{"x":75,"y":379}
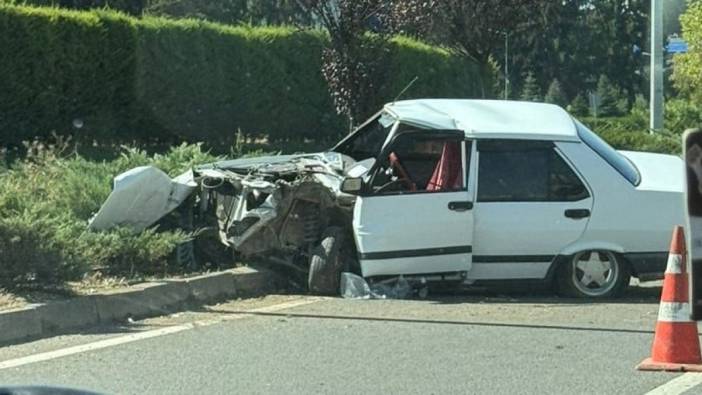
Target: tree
{"x":579,"y":107}
{"x":671,"y":16}
{"x":531,"y":90}
{"x":577,"y":40}
{"x":555,"y":94}
{"x":615,"y":25}
{"x":350,"y":63}
{"x":355,"y":60}
{"x":413,"y":17}
{"x":475,"y":29}
{"x":687,"y":74}
{"x":608,"y":96}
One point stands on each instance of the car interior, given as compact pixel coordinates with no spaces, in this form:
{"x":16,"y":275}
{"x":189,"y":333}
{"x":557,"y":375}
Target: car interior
{"x":421,"y":163}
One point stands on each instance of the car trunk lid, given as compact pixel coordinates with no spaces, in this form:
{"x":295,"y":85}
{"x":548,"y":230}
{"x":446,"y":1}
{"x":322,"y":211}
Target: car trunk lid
{"x":659,"y":172}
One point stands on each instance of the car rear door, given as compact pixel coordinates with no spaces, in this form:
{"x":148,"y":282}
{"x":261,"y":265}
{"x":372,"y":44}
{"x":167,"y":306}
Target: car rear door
{"x":531,"y":203}
{"x":426,"y":228}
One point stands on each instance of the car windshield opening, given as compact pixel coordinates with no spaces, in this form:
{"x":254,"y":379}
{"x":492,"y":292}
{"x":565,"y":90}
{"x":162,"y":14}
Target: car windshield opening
{"x":368,"y":140}
{"x":615,"y":159}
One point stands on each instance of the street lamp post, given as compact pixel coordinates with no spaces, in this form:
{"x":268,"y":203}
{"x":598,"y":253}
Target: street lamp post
{"x":656,"y":100}
{"x":506,"y":65}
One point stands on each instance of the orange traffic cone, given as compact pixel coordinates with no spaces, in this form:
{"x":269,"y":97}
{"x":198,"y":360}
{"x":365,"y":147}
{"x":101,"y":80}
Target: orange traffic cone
{"x":676,"y":346}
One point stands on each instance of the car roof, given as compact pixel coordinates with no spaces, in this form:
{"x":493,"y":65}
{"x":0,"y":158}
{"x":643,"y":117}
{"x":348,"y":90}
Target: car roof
{"x":488,"y":118}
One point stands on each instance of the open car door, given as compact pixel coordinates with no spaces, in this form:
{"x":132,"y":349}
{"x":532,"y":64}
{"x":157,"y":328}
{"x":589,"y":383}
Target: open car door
{"x":415,"y":214}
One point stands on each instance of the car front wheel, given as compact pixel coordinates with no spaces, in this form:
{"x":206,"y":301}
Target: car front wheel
{"x":594,"y":274}
{"x":326,"y":263}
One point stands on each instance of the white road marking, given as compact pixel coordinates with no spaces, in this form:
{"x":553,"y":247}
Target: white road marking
{"x":678,"y":385}
{"x":133,"y":337}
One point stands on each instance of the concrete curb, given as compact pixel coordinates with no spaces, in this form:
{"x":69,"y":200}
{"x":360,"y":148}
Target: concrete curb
{"x":141,"y":301}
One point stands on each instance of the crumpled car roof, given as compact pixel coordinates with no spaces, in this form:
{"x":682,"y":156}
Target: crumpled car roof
{"x":488,"y":118}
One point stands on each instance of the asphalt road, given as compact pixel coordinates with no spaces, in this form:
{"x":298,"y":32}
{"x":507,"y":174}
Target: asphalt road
{"x":299,"y":344}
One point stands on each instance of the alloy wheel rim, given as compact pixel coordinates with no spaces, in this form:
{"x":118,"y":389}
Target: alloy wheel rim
{"x":595,"y":272}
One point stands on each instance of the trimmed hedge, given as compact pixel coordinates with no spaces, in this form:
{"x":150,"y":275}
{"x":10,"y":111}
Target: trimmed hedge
{"x":153,"y":79}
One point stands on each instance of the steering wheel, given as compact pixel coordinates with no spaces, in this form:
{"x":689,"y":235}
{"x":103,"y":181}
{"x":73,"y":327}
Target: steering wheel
{"x":403,"y":175}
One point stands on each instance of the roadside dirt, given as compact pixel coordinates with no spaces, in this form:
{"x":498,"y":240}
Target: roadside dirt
{"x":20,"y":299}
{"x":9,"y":301}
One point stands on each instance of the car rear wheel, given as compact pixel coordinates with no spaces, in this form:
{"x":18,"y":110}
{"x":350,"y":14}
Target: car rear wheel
{"x":326,"y":263}
{"x":593,"y":274}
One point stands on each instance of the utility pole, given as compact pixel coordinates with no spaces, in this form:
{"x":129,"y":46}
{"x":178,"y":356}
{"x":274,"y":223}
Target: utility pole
{"x":656,"y":100}
{"x":506,"y":65}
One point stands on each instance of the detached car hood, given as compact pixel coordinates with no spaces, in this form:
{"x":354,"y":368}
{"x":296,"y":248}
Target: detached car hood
{"x":142,"y":196}
{"x":659,"y":172}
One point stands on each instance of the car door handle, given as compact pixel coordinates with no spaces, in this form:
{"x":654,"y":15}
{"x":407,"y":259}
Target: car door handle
{"x":577,"y":213}
{"x":460,"y":206}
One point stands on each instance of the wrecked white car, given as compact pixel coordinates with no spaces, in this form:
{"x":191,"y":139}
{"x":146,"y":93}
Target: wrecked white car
{"x":453,"y":190}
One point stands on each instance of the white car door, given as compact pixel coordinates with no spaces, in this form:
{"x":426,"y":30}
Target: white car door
{"x":531,"y":203}
{"x":416,"y":214}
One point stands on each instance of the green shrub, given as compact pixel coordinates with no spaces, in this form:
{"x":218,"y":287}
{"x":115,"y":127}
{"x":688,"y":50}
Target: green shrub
{"x":643,"y":141}
{"x":619,"y":124}
{"x":631,"y":133}
{"x":121,"y":252}
{"x":681,"y":114}
{"x":45,"y":204}
{"x":29,"y":254}
{"x":158,"y":80}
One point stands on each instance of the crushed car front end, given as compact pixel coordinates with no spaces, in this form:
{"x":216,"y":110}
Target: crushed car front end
{"x":275,"y":207}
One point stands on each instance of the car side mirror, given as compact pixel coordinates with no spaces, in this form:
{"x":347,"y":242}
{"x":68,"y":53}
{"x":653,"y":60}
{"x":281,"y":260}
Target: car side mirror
{"x":352,"y":185}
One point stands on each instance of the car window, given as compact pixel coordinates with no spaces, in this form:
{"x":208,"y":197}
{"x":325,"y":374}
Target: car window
{"x":525,"y":171}
{"x":615,"y":159}
{"x":420,"y":162}
{"x":564,"y":184}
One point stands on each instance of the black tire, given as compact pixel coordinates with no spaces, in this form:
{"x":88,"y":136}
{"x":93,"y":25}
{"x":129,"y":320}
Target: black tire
{"x":185,"y":252}
{"x":572,"y":281}
{"x":326,"y":263}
